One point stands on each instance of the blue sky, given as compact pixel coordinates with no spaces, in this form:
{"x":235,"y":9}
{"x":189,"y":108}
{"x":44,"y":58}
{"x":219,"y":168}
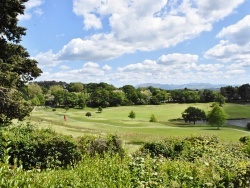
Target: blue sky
{"x":133,"y":42}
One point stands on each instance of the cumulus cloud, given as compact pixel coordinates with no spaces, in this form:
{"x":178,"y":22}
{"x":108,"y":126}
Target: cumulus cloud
{"x":31,"y":7}
{"x":107,"y":68}
{"x":98,"y":47}
{"x":152,"y":71}
{"x":47,"y":59}
{"x":235,"y":46}
{"x":177,"y":58}
{"x":89,"y":72}
{"x":237,"y":33}
{"x":64,"y":67}
{"x":141,"y":25}
{"x":214,"y":10}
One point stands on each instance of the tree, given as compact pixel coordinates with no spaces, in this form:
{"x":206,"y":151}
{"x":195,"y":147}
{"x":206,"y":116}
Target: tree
{"x":244,"y":92}
{"x":16,"y":68}
{"x":131,"y":114}
{"x":99,"y":109}
{"x":207,"y":96}
{"x":153,"y":118}
{"x":219,"y":98}
{"x":88,"y":114}
{"x":217,"y":116}
{"x":192,"y":114}
{"x":75,"y":87}
{"x":230,"y":92}
{"x":81,"y":100}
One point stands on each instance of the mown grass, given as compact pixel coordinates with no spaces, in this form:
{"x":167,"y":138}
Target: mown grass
{"x":115,"y":120}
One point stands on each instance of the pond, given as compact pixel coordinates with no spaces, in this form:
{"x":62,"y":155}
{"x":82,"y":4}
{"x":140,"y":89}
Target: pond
{"x":238,"y":122}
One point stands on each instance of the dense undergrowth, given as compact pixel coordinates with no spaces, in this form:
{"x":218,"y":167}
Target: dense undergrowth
{"x":42,"y":158}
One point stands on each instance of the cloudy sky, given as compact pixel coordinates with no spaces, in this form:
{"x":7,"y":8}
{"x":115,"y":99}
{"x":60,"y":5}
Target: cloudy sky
{"x":140,"y":41}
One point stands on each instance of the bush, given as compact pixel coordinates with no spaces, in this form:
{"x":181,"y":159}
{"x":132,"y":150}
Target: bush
{"x":91,"y":145}
{"x":188,"y":148}
{"x":245,"y":139}
{"x":38,"y":148}
{"x":88,"y":114}
{"x":152,"y":118}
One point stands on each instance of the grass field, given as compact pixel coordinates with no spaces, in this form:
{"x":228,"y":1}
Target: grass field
{"x":133,"y":132}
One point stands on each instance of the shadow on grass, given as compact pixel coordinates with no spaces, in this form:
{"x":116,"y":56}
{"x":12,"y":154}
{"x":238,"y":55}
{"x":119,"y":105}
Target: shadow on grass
{"x":136,"y":143}
{"x":212,"y":129}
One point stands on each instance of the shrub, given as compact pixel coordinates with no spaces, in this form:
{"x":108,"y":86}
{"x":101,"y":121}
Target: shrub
{"x":99,"y":110}
{"x":111,"y":144}
{"x":131,"y":114}
{"x":88,"y":114}
{"x":39,"y":148}
{"x":152,"y":118}
{"x":53,"y":109}
{"x":245,"y":139}
{"x":189,"y":148}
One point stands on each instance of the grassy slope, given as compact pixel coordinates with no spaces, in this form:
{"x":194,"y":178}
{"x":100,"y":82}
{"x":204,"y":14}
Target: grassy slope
{"x":115,"y":120}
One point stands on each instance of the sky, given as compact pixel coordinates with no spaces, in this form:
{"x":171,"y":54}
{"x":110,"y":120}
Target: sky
{"x":133,"y":42}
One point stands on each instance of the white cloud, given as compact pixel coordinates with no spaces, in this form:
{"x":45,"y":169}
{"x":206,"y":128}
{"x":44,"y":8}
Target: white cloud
{"x":31,"y":7}
{"x":90,"y":69}
{"x":237,"y":33}
{"x":98,"y":47}
{"x":224,"y":51}
{"x":151,"y":71}
{"x":47,"y":59}
{"x":91,"y":21}
{"x":107,"y":68}
{"x":90,"y":72}
{"x":38,"y":11}
{"x":32,"y":4}
{"x":236,"y":46}
{"x":141,"y":25}
{"x":214,"y":10}
{"x":64,"y":67}
{"x":177,"y":58}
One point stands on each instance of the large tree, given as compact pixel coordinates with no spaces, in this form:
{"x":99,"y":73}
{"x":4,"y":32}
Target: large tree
{"x":244,"y":92}
{"x":193,"y":114}
{"x":16,"y":68}
{"x":216,"y":116}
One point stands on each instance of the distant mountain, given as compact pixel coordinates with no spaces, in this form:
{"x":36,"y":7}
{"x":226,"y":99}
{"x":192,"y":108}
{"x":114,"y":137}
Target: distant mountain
{"x":182,"y":86}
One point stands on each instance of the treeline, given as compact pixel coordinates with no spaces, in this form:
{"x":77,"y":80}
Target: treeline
{"x":76,"y":94}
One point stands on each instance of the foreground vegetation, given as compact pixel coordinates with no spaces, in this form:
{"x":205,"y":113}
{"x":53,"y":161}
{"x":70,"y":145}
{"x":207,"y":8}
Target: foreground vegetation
{"x":196,"y":161}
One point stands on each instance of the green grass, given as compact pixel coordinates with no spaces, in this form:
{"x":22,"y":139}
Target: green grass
{"x":115,"y":120}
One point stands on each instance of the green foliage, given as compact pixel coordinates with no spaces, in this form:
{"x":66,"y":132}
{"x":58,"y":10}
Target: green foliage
{"x":131,"y":114}
{"x":220,"y":99}
{"x":88,"y":114}
{"x":192,"y":114}
{"x":245,"y":139}
{"x":16,"y":68}
{"x":12,"y":106}
{"x":219,"y":166}
{"x":152,"y":118}
{"x":99,"y":109}
{"x":188,"y":148}
{"x":91,"y":145}
{"x":66,"y":108}
{"x":38,"y":148}
{"x":216,"y":116}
